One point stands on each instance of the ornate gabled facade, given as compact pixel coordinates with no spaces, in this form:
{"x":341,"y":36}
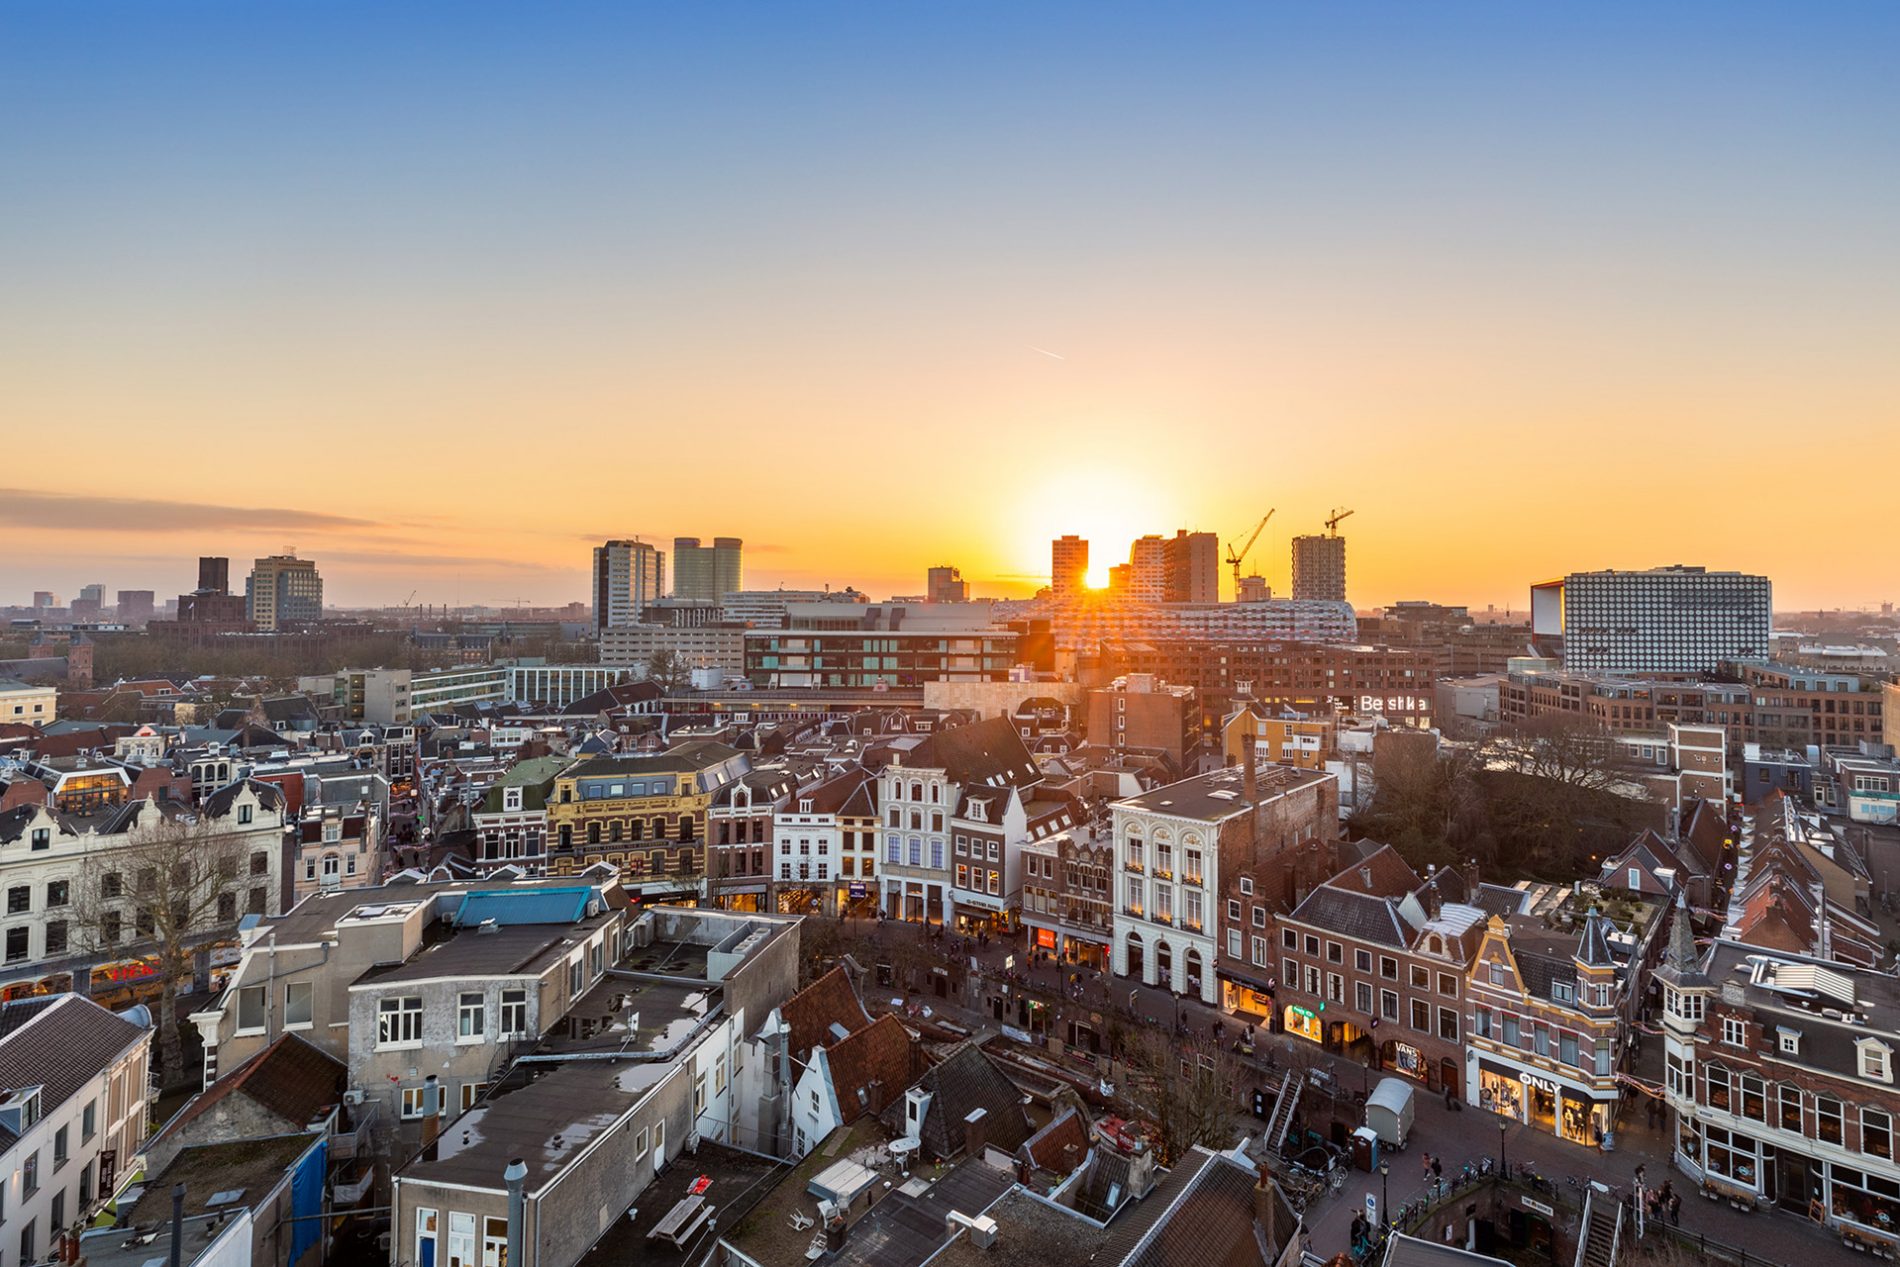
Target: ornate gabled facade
{"x":1543,"y":1031}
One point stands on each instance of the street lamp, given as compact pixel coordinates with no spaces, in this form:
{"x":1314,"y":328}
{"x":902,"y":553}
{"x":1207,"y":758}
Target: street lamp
{"x":1385,"y":1192}
{"x":1504,"y":1125}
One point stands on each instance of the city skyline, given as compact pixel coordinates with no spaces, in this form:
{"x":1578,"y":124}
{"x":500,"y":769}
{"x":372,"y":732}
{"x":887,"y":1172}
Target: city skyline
{"x":1535,"y":291}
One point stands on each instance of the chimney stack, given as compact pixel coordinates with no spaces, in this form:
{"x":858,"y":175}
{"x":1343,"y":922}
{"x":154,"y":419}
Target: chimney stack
{"x":976,"y":1132}
{"x":516,"y":1178}
{"x":1249,"y":773}
{"x":431,"y":1116}
{"x":1263,"y":1207}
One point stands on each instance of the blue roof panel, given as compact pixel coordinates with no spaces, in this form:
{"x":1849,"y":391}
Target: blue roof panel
{"x":524,"y":906}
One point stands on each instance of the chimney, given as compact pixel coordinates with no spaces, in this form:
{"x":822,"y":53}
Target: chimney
{"x":178,"y":1224}
{"x":976,"y":1132}
{"x":516,"y":1178}
{"x":431,"y":1116}
{"x":1263,"y":1208}
{"x":1249,"y":773}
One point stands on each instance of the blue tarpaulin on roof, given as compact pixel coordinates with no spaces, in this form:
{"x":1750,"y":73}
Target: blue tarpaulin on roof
{"x":529,"y":906}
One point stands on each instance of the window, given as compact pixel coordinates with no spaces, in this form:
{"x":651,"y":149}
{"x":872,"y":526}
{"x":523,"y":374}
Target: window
{"x":253,"y":1010}
{"x":1876,"y":1133}
{"x":60,"y":1152}
{"x":89,"y":1121}
{"x":699,"y":1091}
{"x":1233,"y":943}
{"x":471,"y":1016}
{"x":1567,"y":1049}
{"x":1789,"y":1099}
{"x":1290,"y":974}
{"x":297,"y":997}
{"x":19,"y":899}
{"x":1448,"y":985}
{"x":1754,"y":1097}
{"x":1876,"y":1060}
{"x":1312,"y":946}
{"x":56,"y":937}
{"x":1388,"y":968}
{"x":1362,"y":960}
{"x":1289,"y":939}
{"x":640,"y":1144}
{"x":1734,"y":1032}
{"x":16,"y":944}
{"x":1233,"y":908}
{"x":1335,"y":988}
{"x":244,"y":814}
{"x":399,"y":1022}
{"x":1790,"y":1041}
{"x":1335,"y":953}
{"x":1259,"y":948}
{"x":412,"y":1103}
{"x":1419,"y":977}
{"x":1259,"y":917}
{"x":471,"y":1094}
{"x":59,"y":893}
{"x":1389,"y":1004}
{"x":1828,"y":1116}
{"x":1362,"y":996}
{"x":112,"y":884}
{"x":1246,"y":886}
{"x":30,"y":1174}
{"x":1421,"y":1016}
{"x":514,"y":1013}
{"x":1448,"y":1024}
{"x":1717,"y":1087}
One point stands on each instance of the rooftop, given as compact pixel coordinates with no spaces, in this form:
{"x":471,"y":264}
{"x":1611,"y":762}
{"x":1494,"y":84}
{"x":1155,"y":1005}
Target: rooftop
{"x":735,"y":1183}
{"x":1219,"y":794}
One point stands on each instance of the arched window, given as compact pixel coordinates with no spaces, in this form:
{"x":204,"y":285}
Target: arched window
{"x":916,"y":791}
{"x":933,"y":793}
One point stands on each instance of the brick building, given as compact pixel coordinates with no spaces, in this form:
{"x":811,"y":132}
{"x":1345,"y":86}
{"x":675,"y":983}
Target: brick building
{"x":1372,"y":963}
{"x":1779,"y":1071}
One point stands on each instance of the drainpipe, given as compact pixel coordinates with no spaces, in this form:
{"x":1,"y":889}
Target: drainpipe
{"x":516,"y":1177}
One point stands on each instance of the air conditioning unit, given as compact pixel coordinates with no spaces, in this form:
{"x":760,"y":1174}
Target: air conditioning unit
{"x":353,"y":1096}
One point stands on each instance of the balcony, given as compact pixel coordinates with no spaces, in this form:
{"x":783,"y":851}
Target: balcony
{"x":1192,"y":879}
{"x":1134,"y":865}
{"x":1158,"y":918}
{"x":1134,"y":912}
{"x":1192,"y":925}
{"x":1161,"y":874}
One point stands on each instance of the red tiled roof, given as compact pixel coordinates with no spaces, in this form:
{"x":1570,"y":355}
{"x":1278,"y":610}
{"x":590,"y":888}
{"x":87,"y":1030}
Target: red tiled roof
{"x":1059,"y":1146}
{"x":813,"y":1010}
{"x":292,"y":1078}
{"x":878,"y":1060}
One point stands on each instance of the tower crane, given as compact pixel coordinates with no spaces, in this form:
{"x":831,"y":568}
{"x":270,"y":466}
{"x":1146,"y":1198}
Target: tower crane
{"x":1235,"y":556}
{"x":1332,"y":520}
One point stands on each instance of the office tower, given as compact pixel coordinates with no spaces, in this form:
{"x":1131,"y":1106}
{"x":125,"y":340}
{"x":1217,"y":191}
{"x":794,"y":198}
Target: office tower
{"x":945,"y":584}
{"x":628,"y":575}
{"x":1319,"y":568}
{"x":1193,"y":567}
{"x":707,"y":573}
{"x":1148,"y":570}
{"x":214,"y":575}
{"x":1121,"y":580}
{"x":45,"y":598}
{"x":135,"y":606}
{"x":1068,"y":565}
{"x":282,"y":592}
{"x":94,"y":594}
{"x":1253,"y":589}
{"x":1667,"y":620}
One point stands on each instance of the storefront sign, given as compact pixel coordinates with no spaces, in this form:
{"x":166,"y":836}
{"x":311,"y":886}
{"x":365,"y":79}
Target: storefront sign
{"x":1537,"y":1206}
{"x":858,"y":891}
{"x":1542,"y":1084}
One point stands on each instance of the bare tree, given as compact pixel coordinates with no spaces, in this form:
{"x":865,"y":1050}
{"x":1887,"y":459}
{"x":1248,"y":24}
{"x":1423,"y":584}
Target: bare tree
{"x":669,"y":671}
{"x":1188,"y":1082}
{"x":1564,"y":749}
{"x":177,"y":884}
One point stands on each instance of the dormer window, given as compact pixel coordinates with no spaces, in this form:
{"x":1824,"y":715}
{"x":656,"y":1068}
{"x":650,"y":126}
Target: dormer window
{"x":804,"y":806}
{"x":1789,"y":1040}
{"x":1876,"y":1060}
{"x":1734,"y":1031}
{"x":511,"y":798}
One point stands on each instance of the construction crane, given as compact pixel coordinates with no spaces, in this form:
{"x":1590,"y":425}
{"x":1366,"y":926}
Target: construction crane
{"x":1235,"y":556}
{"x":1332,"y":520}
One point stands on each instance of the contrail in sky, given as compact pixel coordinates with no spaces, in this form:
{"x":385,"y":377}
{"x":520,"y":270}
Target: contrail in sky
{"x":1046,"y":352}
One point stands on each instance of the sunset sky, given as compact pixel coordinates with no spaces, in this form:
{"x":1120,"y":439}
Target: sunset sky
{"x":442,"y":294}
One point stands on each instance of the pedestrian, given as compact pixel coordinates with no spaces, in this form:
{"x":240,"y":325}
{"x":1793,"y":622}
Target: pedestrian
{"x":1675,"y":1209}
{"x":1427,"y":1163}
{"x":1451,"y":1101}
{"x":1438,"y":1168}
